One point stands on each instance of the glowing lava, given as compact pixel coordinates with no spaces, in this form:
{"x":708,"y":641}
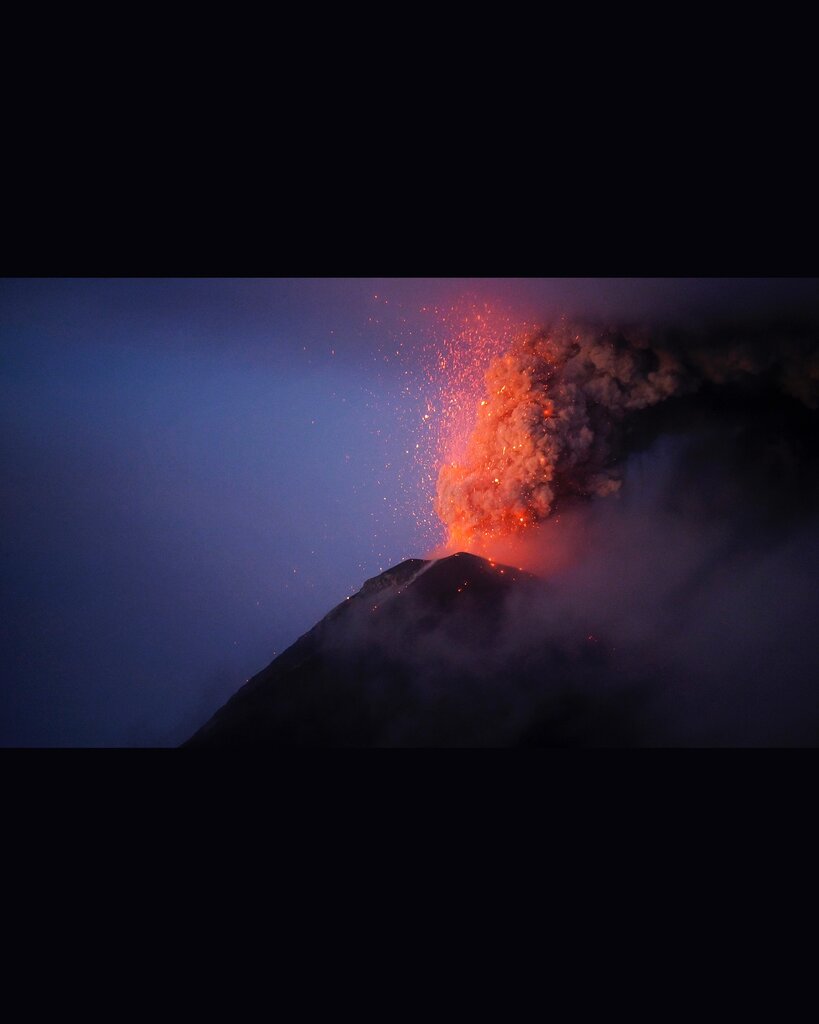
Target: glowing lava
{"x":473,"y":341}
{"x":511,"y":423}
{"x":462,"y":342}
{"x":546,"y":426}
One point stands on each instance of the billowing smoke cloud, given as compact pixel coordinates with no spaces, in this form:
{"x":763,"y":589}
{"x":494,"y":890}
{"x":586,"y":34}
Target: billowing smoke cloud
{"x":680,"y":609}
{"x":559,"y":404}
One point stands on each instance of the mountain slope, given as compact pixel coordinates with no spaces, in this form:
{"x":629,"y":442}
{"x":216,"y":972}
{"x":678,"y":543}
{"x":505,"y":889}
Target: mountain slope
{"x":425,"y":654}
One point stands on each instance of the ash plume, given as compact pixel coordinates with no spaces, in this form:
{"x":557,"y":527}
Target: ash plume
{"x":678,"y":610}
{"x":559,"y":406}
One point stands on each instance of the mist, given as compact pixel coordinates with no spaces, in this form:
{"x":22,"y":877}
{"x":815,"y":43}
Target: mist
{"x":638,"y":621}
{"x":711,"y":618}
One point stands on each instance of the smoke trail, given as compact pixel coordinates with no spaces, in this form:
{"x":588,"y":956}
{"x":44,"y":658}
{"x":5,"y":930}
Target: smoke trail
{"x":551,"y":424}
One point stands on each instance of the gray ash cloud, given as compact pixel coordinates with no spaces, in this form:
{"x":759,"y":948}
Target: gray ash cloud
{"x":563,"y":404}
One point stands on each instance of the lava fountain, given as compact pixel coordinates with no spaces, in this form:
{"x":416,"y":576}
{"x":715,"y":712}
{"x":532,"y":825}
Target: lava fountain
{"x":545,"y":428}
{"x":533,"y":420}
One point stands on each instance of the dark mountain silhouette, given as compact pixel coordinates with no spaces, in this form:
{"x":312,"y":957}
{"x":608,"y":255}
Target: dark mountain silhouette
{"x":428,"y":654}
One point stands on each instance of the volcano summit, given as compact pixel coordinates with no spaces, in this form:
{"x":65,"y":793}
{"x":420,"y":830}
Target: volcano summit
{"x":428,"y":654}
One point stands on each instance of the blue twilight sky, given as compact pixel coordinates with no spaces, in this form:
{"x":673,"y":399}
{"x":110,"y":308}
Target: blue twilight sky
{"x":193,"y":474}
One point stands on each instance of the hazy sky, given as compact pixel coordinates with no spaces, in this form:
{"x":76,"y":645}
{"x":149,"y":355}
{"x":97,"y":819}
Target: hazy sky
{"x":193,"y":472}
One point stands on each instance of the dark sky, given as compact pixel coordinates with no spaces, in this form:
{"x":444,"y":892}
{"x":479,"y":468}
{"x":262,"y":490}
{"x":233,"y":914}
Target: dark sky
{"x":193,"y":472}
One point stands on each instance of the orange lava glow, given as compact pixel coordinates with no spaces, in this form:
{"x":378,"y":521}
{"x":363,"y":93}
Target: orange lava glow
{"x":465,"y":341}
{"x":543,"y":429}
{"x":474,"y":346}
{"x":478,"y":495}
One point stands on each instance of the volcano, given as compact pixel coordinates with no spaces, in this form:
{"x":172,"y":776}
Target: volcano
{"x":426,"y":654}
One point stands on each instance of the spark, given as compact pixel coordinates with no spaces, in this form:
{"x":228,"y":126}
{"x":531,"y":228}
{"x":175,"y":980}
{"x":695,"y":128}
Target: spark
{"x":441,"y":367}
